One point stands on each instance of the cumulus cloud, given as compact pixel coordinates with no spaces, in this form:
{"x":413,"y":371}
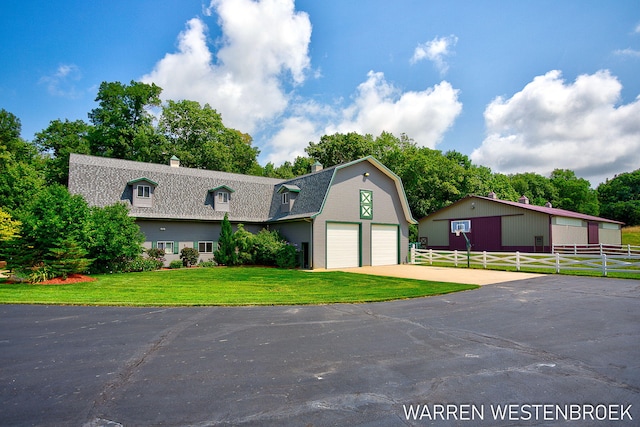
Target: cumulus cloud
{"x":377,"y":106}
{"x":62,"y":81}
{"x":264,"y":44}
{"x":435,"y":50}
{"x":553,"y":124}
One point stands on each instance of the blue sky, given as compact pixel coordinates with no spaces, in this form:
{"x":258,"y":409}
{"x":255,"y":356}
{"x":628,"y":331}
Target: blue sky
{"x":520,"y":86}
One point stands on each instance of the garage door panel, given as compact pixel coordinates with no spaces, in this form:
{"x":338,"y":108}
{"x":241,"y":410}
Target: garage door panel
{"x":384,"y":244}
{"x":343,"y":245}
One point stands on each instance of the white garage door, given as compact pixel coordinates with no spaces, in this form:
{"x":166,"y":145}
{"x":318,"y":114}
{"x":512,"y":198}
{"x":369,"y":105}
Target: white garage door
{"x":343,"y":245}
{"x":384,"y":244}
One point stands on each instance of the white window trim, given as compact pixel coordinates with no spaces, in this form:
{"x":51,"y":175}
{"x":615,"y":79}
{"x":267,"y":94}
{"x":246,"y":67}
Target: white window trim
{"x":162,"y":244}
{"x":285,"y":198}
{"x":205,"y":243}
{"x":223,"y":197}
{"x":141,"y":189}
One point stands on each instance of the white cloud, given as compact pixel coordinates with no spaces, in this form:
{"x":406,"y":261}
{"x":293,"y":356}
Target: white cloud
{"x":550,"y":124}
{"x":436,"y":50}
{"x":61,"y":83}
{"x":377,"y":106}
{"x":628,"y":52}
{"x":264,"y":43}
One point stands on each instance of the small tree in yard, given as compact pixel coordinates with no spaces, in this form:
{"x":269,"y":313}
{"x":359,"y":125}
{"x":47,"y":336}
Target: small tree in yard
{"x":189,"y":256}
{"x":67,"y":258}
{"x":244,"y":244}
{"x":226,"y":252}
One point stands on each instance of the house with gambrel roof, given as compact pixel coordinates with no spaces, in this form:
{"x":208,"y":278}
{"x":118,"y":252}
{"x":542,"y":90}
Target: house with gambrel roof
{"x":495,"y":225}
{"x":348,"y":215}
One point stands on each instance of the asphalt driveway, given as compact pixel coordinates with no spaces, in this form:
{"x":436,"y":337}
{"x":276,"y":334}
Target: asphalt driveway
{"x":542,"y":343}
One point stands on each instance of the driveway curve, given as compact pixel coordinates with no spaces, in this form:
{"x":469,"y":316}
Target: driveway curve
{"x":552,"y":340}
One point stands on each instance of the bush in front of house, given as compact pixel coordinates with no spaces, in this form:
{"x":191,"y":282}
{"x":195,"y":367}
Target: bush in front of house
{"x":189,"y":256}
{"x":175,"y":264}
{"x":287,"y":256}
{"x":208,"y":263}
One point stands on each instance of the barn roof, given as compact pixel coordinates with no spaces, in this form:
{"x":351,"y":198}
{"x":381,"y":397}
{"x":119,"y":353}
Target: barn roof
{"x":548,"y":210}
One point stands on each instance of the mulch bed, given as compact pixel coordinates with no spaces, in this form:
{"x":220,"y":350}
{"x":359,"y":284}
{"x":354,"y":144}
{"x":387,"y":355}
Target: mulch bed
{"x":72,"y":278}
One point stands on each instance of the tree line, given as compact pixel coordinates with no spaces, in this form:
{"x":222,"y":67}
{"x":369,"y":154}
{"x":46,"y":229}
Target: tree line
{"x":130,"y":122}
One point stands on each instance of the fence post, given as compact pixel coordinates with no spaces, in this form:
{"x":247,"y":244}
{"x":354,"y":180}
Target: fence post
{"x":455,"y":257}
{"x":517,"y":260}
{"x":575,"y":249}
{"x":601,"y":253}
{"x":629,"y":250}
{"x":413,"y":254}
{"x":484,"y":259}
{"x":557,"y":263}
{"x":604,"y":265}
{"x":430,"y":256}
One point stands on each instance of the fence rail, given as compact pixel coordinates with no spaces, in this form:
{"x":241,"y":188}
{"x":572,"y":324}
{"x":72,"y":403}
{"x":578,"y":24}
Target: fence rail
{"x":596,"y":249}
{"x":557,"y":262}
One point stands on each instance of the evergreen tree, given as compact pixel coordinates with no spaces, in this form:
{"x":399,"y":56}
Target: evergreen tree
{"x":226,"y":252}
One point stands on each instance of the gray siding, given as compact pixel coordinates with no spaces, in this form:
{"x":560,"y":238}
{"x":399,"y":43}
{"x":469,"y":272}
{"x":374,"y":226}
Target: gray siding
{"x":343,"y":205}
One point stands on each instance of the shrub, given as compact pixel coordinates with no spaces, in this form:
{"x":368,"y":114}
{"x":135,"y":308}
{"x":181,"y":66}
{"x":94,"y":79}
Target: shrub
{"x":156,"y":253}
{"x":244,"y":241}
{"x":175,"y":264}
{"x":189,"y":256}
{"x":287,"y":256}
{"x":138,"y":264}
{"x":266,"y":245}
{"x":67,"y":258}
{"x":208,"y":263}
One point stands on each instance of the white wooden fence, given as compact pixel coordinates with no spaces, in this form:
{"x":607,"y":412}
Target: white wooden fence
{"x":556,"y":262}
{"x":596,"y":249}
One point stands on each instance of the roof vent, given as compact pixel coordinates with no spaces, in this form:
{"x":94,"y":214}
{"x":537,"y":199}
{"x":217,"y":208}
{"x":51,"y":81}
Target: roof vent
{"x":493,"y":196}
{"x":174,"y":162}
{"x":548,"y":205}
{"x":316,"y":167}
{"x":524,"y":200}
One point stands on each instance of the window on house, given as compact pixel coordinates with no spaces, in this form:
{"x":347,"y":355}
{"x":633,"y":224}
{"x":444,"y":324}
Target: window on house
{"x":366,"y":204}
{"x":144,"y":191}
{"x":167,"y":246}
{"x":285,"y":198}
{"x":205,"y":247}
{"x":223,"y":197}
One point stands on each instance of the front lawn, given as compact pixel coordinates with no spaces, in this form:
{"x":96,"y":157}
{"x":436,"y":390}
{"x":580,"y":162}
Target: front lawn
{"x":226,"y":286}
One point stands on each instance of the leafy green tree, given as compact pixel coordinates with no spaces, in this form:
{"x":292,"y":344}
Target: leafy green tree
{"x":226,"y":252}
{"x":21,"y":169}
{"x":59,"y":140}
{"x":573,"y":193}
{"x":620,"y":198}
{"x":341,"y":148}
{"x":197,"y":136}
{"x":538,"y":189}
{"x":113,"y":238}
{"x":9,"y":228}
{"x":53,"y":219}
{"x":123,"y":123}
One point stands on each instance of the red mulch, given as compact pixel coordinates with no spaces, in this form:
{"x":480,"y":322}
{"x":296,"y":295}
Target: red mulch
{"x":72,"y":278}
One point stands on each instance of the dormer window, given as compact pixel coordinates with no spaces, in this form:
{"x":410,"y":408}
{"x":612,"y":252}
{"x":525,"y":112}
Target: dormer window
{"x":142,"y":192}
{"x":221,"y":198}
{"x":288,"y":194}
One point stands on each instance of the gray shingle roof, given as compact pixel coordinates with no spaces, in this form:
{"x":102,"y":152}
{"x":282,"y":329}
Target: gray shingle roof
{"x":184,"y":193}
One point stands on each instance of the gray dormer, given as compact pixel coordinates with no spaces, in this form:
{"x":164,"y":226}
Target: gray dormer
{"x":288,"y":194}
{"x":142,"y":192}
{"x":221,"y":197}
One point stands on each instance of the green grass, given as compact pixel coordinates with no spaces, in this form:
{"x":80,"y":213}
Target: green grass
{"x":631,"y":236}
{"x":226,"y":286}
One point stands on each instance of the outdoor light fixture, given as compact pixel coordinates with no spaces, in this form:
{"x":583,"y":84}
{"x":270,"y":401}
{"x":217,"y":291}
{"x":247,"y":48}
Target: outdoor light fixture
{"x":162,"y":228}
{"x":366,"y":174}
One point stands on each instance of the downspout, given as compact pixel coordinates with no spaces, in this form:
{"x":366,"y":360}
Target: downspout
{"x":550,"y":234}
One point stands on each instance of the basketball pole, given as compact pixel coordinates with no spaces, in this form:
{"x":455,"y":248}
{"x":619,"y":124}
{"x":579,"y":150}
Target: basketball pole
{"x":468,"y":243}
